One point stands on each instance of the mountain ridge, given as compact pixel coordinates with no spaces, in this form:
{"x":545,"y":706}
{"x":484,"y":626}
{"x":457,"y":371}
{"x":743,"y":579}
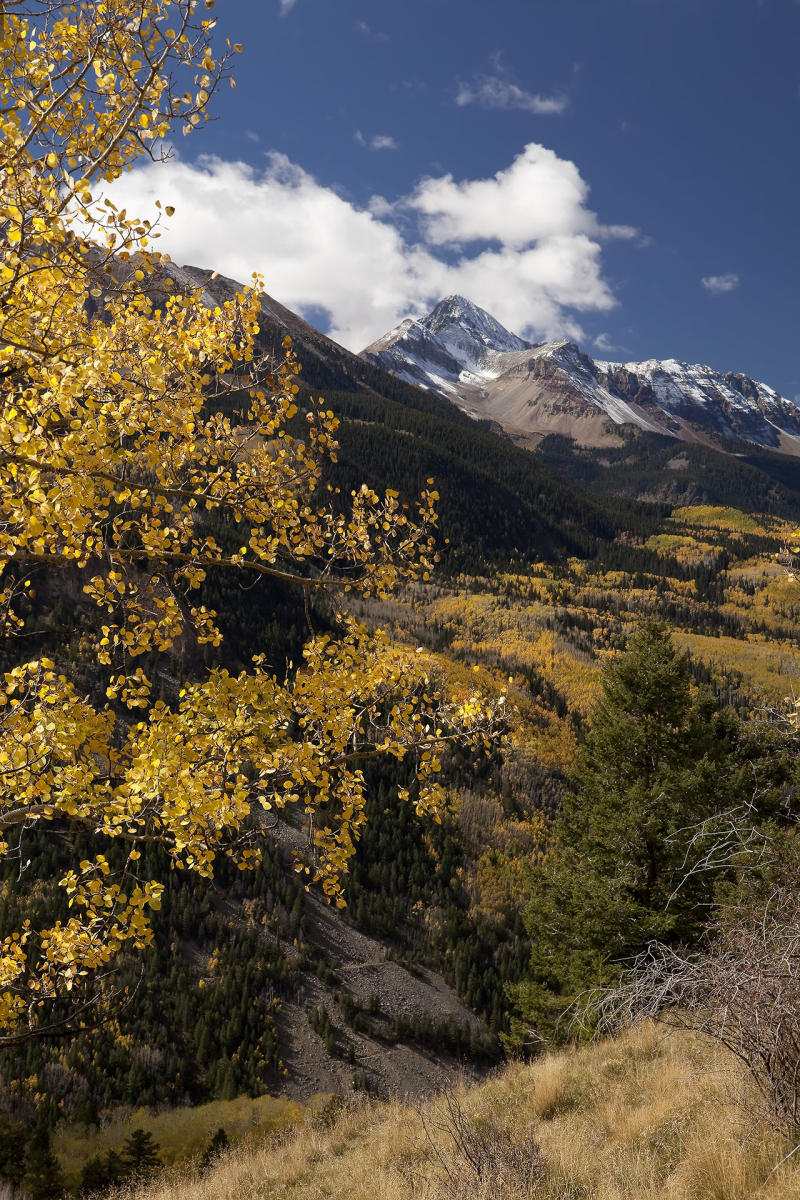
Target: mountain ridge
{"x":391,"y":419}
{"x":462,"y":353}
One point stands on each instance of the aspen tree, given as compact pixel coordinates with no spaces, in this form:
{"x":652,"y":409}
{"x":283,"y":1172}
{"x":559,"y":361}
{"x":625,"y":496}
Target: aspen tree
{"x":114,"y":447}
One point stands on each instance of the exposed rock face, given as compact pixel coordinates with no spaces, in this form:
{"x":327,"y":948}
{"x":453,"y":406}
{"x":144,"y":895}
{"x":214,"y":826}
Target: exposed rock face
{"x":465,"y":355}
{"x":456,"y":341}
{"x":728,"y":406}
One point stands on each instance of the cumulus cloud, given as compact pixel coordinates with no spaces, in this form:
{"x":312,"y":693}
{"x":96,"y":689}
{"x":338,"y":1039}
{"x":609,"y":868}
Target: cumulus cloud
{"x":493,"y":91}
{"x":717,"y":285}
{"x":381,"y":141}
{"x":539,"y":196}
{"x":522,"y":244}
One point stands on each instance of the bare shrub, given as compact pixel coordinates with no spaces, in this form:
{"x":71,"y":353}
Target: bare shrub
{"x":742,"y":990}
{"x":479,"y":1160}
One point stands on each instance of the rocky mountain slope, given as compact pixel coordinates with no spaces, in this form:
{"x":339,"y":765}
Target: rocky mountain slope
{"x":462,"y":353}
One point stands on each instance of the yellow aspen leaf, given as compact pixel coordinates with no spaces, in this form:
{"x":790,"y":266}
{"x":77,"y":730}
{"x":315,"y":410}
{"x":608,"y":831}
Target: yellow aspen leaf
{"x":123,"y":440}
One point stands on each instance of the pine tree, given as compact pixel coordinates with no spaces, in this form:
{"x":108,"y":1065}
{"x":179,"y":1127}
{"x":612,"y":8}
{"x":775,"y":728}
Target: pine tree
{"x":217,"y":1146}
{"x":101,"y":1172}
{"x":43,"y":1179}
{"x":140,"y":1153}
{"x":655,"y":762}
{"x":13,"y":1139}
{"x":116,"y":1168}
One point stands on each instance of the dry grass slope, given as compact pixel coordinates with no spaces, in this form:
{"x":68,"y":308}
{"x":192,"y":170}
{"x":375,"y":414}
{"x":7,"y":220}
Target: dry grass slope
{"x":647,"y":1116}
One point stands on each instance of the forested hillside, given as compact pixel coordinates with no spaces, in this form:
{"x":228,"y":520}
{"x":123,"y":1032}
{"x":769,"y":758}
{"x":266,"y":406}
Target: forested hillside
{"x":238,"y":965}
{"x":347,"y":748}
{"x":247,"y":991}
{"x":541,"y":586}
{"x":651,"y":467}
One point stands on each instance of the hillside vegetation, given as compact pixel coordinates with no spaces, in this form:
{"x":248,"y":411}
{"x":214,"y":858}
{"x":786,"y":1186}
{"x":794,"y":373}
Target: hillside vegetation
{"x":233,"y":687}
{"x":647,"y":1116}
{"x":255,"y":989}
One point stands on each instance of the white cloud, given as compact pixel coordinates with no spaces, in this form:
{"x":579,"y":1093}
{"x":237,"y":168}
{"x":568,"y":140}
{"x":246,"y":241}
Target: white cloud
{"x":532,"y":254}
{"x":380,"y":207}
{"x":604,"y":343}
{"x":717,"y":285}
{"x":372,"y":35}
{"x":493,"y":91}
{"x":539,"y":196}
{"x":381,"y":141}
{"x":286,"y":5}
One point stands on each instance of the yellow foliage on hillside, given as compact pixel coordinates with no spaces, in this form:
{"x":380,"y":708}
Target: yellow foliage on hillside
{"x":683,"y":547}
{"x":771,"y":669}
{"x":182,"y":1133}
{"x":709,"y":516}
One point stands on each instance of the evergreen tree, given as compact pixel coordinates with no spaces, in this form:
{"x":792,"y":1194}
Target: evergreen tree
{"x":140,"y":1153}
{"x":655,"y":763}
{"x":43,"y":1178}
{"x":218,"y":1144}
{"x":116,"y":1169}
{"x":13,"y":1141}
{"x":101,"y":1172}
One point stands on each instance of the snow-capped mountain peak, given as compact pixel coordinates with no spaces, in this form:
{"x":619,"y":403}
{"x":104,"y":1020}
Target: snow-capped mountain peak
{"x":456,"y":344}
{"x":472,"y":320}
{"x":462,"y":352}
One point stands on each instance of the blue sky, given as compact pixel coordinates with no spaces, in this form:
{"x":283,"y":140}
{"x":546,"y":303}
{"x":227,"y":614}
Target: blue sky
{"x":625,"y":172}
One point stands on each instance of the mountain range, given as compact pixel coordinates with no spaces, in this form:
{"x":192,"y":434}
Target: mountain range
{"x":465,"y":355}
{"x":539,"y":494}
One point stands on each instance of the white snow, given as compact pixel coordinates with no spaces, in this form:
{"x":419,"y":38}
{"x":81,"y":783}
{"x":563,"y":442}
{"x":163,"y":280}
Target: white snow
{"x":481,"y":351}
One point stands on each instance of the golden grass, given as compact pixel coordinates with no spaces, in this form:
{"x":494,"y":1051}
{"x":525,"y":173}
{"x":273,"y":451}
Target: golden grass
{"x":645,"y":1117}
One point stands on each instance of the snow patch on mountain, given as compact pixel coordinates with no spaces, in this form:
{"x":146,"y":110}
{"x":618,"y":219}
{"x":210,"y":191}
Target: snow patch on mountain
{"x":455,"y":343}
{"x":463,"y":353}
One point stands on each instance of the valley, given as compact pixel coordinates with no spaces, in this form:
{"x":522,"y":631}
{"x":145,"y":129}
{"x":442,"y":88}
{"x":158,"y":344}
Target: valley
{"x":551,"y":557}
{"x":408,"y":988}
